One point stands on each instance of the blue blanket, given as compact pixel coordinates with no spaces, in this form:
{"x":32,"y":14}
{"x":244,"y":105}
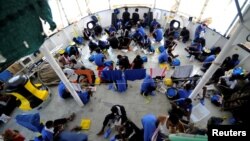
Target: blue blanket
{"x":135,"y":74}
{"x":30,"y":121}
{"x":112,"y":75}
{"x":121,"y":85}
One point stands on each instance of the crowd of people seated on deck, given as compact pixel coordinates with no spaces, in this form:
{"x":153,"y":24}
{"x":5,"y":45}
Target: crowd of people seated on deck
{"x":154,"y":127}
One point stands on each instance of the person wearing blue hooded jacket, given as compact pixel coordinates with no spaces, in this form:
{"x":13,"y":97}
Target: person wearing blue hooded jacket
{"x":141,"y":30}
{"x":153,"y":25}
{"x":185,"y":92}
{"x":147,"y":86}
{"x":198,"y":30}
{"x":99,"y":58}
{"x":158,"y":33}
{"x":163,"y":57}
{"x":149,"y":126}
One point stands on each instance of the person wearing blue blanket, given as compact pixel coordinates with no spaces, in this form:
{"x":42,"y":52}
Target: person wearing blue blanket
{"x":208,"y":61}
{"x":158,"y":33}
{"x":163,"y":57}
{"x":147,"y":86}
{"x":99,"y":58}
{"x":153,"y":26}
{"x":62,"y":91}
{"x":85,"y":96}
{"x":196,"y":47}
{"x":184,"y":93}
{"x":199,"y":29}
{"x":137,"y":37}
{"x":121,"y":85}
{"x":149,"y":126}
{"x":146,"y":44}
{"x":141,"y":30}
{"x":230,"y":63}
{"x":111,"y":30}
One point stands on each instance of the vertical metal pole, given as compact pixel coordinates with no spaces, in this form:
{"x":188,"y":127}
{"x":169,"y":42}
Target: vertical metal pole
{"x":216,"y":64}
{"x":44,"y":50}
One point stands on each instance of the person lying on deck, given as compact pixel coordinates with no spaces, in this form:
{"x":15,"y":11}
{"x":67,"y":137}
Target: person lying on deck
{"x":52,"y":129}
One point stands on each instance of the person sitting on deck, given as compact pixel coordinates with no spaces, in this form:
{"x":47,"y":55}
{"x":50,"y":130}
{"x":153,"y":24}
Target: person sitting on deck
{"x":148,"y":86}
{"x":170,"y":45}
{"x":146,"y":44}
{"x":185,"y":34}
{"x":88,"y":74}
{"x":182,"y":107}
{"x":123,"y":62}
{"x":158,"y":33}
{"x":164,"y":58}
{"x":137,"y":63}
{"x":117,"y":116}
{"x":196,"y":47}
{"x":185,"y":92}
{"x":208,"y":61}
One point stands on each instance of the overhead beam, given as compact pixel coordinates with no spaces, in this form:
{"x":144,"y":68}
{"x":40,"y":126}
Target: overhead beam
{"x":239,"y":10}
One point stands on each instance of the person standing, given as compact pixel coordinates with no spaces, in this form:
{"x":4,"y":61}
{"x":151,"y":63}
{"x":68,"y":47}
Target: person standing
{"x":125,"y":16}
{"x":135,"y":16}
